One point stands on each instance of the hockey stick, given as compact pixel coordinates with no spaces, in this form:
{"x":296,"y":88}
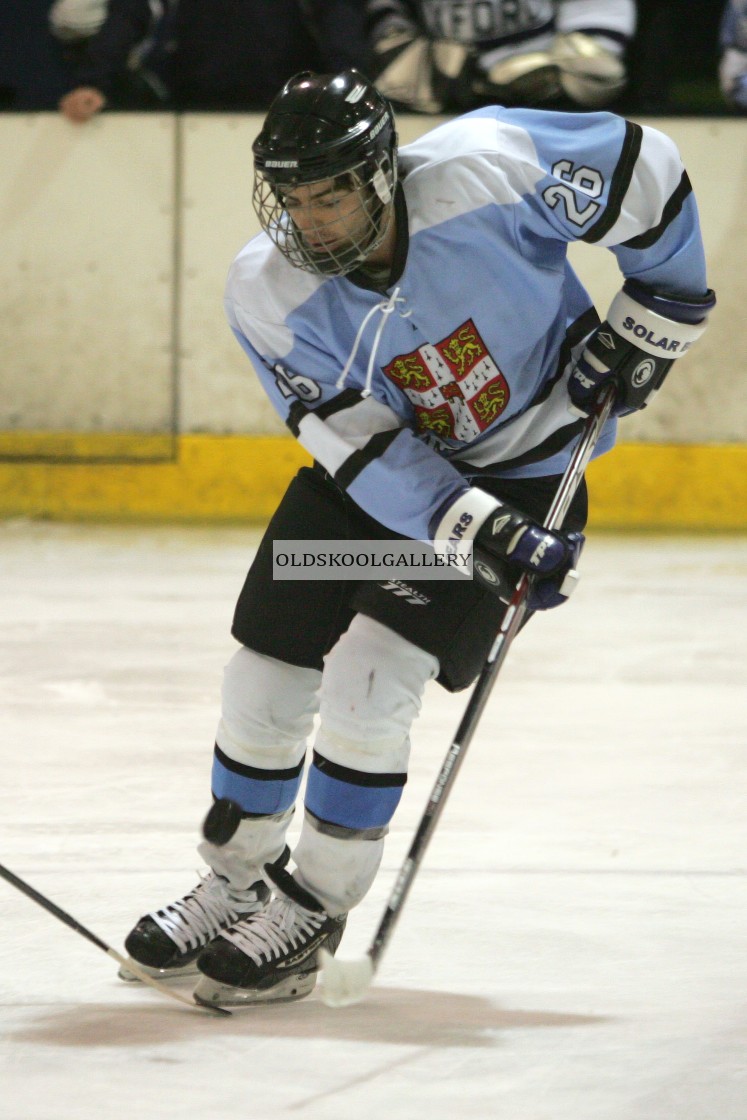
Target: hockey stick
{"x":346,"y":982}
{"x":131,"y":965}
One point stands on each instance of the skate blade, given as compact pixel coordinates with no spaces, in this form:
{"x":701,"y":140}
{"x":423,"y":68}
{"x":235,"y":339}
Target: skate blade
{"x":209,"y":992}
{"x":163,"y":974}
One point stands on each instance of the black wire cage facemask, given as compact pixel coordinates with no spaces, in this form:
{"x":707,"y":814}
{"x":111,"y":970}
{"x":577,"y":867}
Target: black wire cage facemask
{"x":325,"y":170}
{"x":329,"y":226}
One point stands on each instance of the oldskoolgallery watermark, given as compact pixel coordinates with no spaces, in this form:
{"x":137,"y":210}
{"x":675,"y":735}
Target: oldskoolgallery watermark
{"x":370,"y":560}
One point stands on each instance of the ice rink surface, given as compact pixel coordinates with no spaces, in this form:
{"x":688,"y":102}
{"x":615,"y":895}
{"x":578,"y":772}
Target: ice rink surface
{"x":574,"y":947}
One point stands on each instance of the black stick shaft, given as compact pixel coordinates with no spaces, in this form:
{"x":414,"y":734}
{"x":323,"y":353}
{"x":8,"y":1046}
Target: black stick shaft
{"x":52,"y":907}
{"x":509,"y":628}
{"x":68,"y":920}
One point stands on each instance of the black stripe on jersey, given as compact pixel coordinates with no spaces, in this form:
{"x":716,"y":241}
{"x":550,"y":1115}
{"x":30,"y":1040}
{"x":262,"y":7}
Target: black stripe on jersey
{"x":256,"y":772}
{"x":357,"y":777}
{"x":550,"y":446}
{"x":670,"y":212}
{"x":346,"y":399}
{"x":577,"y":331}
{"x":621,"y":177}
{"x":296,"y":413}
{"x":345,"y":475}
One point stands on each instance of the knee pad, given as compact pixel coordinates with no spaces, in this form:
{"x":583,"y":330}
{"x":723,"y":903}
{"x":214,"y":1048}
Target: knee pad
{"x":371,"y":692}
{"x":267,"y":714}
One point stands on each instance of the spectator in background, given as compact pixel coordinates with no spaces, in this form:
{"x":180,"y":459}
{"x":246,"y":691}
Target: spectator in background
{"x":118,"y":52}
{"x":229,"y":55}
{"x":441,"y":55}
{"x":76,"y":20}
{"x":33,"y":72}
{"x":733,"y":65}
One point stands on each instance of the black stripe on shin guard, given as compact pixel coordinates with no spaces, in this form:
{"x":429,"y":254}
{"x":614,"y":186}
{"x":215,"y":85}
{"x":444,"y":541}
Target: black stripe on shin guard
{"x":255,"y":772}
{"x":341,"y":832}
{"x":357,"y":777}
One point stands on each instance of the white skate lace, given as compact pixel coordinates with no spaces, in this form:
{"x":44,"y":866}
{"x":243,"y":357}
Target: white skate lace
{"x":199,"y":916}
{"x":282,"y":925}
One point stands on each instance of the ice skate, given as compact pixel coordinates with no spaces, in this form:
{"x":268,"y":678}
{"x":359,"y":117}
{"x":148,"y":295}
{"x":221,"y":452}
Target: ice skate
{"x":270,"y":957}
{"x":167,"y":942}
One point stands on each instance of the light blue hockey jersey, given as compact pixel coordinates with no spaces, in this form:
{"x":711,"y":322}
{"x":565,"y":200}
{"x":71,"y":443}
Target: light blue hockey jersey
{"x":461,"y":367}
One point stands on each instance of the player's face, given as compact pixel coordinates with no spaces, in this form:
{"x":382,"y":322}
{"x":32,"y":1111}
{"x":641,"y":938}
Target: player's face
{"x":328,"y":215}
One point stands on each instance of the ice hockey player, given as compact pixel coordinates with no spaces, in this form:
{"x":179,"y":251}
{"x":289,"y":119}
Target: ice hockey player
{"x":414,"y":319}
{"x":437,"y":56}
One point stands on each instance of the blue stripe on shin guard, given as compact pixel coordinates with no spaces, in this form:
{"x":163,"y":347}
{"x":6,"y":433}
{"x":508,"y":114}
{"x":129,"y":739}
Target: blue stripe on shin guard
{"x":257,"y":791}
{"x":351,"y":798}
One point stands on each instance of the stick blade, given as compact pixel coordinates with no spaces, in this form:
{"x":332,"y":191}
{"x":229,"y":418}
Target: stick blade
{"x":133,"y":967}
{"x":344,"y":982}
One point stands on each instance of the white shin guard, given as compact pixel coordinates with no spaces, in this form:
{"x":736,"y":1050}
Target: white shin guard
{"x":257,"y":841}
{"x":268,"y":710}
{"x":336,"y":869}
{"x":267,"y":715}
{"x":371,"y":692}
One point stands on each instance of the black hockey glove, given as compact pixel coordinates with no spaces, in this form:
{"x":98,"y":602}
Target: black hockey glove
{"x":644,"y":333}
{"x":507,"y":543}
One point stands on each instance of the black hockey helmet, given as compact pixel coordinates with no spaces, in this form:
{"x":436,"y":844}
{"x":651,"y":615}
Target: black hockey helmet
{"x":327,"y":127}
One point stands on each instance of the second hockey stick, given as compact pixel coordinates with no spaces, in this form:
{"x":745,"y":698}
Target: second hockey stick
{"x":52,"y":907}
{"x":346,"y":982}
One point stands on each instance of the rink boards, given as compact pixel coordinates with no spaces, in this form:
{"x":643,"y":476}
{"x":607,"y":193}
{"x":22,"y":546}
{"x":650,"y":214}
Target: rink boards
{"x":124,"y":394}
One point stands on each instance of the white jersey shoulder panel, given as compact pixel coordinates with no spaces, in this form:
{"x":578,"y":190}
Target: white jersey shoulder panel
{"x":464,"y":164}
{"x":276,"y":289}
